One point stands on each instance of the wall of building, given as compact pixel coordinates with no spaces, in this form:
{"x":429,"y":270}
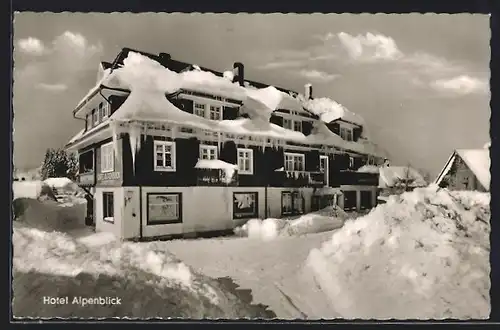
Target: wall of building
{"x":116,"y":226}
{"x":460,"y":177}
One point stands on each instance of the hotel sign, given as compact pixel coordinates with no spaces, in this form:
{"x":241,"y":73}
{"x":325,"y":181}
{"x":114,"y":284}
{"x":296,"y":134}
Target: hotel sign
{"x":108,"y":176}
{"x":86,"y":179}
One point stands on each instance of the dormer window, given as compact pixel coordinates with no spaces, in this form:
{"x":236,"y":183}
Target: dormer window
{"x":215,"y":112}
{"x":291,"y":124}
{"x":206,"y":110}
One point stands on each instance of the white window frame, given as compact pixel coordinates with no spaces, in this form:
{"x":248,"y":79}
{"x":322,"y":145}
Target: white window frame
{"x":108,"y":156}
{"x":346,"y":133}
{"x":176,"y":202}
{"x":295,"y":122}
{"x":95,"y":117}
{"x":208,"y":148}
{"x":294,"y":196}
{"x":248,"y":155}
{"x":104,"y":207}
{"x":195,"y":103}
{"x":293,"y":156}
{"x":326,"y":170}
{"x":172,"y":155}
{"x":107,"y":110}
{"x":219,"y":112}
{"x":288,"y":120}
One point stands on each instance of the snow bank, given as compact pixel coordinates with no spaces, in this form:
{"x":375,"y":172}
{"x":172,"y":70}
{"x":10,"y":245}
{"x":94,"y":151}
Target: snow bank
{"x":49,"y":214}
{"x":149,"y":281}
{"x":423,"y":255}
{"x":390,"y":176}
{"x":315,"y":222}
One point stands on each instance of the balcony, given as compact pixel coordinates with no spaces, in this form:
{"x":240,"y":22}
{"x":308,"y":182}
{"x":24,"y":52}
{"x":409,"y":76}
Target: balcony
{"x":351,"y":178}
{"x":214,"y":177}
{"x":297,"y":179}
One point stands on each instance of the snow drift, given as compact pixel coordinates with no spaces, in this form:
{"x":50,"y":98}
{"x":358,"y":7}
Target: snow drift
{"x":150,"y":281}
{"x":315,"y":222}
{"x":423,"y":255}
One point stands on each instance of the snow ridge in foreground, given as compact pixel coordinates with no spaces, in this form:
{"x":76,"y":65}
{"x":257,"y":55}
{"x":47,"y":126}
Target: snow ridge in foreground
{"x":423,"y":255}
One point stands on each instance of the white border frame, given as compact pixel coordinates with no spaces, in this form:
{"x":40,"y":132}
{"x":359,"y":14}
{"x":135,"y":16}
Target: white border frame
{"x":250,"y":151}
{"x":174,"y":156}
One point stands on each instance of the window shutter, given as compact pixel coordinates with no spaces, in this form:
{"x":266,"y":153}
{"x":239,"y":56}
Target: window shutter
{"x":228,"y":153}
{"x":229,"y":113}
{"x":312,"y":161}
{"x":307,"y":127}
{"x":276,"y":120}
{"x":335,"y":128}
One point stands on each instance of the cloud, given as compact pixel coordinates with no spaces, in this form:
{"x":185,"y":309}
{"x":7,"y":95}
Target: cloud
{"x":462,"y":84}
{"x":369,"y":47}
{"x":52,"y":87}
{"x":319,"y":76}
{"x":32,"y":46}
{"x":64,"y":61}
{"x":280,"y":65}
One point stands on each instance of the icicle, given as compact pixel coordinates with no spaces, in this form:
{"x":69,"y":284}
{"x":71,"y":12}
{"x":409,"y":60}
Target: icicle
{"x":135,"y":141}
{"x":219,"y":142}
{"x":264,"y":144}
{"x":114,"y":131}
{"x":173,"y":132}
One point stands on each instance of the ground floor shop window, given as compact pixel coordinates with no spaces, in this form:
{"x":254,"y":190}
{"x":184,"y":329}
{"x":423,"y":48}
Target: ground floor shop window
{"x":108,"y":207}
{"x":164,"y":208}
{"x":349,"y":200}
{"x":292,"y":203}
{"x":245,"y":205}
{"x":366,"y":199}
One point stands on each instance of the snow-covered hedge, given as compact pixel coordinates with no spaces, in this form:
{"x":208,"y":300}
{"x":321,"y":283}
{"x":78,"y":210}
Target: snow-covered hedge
{"x":423,"y":254}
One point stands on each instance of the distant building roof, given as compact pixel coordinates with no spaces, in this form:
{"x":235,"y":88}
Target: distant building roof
{"x":391,"y":175}
{"x":477,"y":160}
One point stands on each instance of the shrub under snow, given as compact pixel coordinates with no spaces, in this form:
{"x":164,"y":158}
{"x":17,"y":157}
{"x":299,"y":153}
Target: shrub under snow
{"x":268,"y":229}
{"x":424,"y":254}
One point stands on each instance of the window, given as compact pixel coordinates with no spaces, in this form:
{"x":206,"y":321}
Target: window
{"x":199,"y":109}
{"x":292,"y":203}
{"x":164,"y":208}
{"x":245,"y":161}
{"x":86,"y":162}
{"x":294,"y":125}
{"x":366,"y":199}
{"x":95,"y":117}
{"x":208,"y":152}
{"x":245,"y":205}
{"x":346,"y":133}
{"x":215,"y":112}
{"x":101,"y":112}
{"x":287,"y":123}
{"x":87,"y":122}
{"x":108,"y":207}
{"x":164,"y":156}
{"x":297,"y":125}
{"x":294,"y":162}
{"x":104,"y":110}
{"x":107,"y":158}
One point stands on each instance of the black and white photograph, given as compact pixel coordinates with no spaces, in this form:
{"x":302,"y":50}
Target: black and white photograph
{"x":217,"y":166}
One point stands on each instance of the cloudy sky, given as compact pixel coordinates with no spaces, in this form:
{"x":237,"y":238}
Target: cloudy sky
{"x":420,"y":81}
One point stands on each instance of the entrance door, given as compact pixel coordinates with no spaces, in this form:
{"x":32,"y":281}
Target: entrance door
{"x":89,"y":218}
{"x":323,"y":167}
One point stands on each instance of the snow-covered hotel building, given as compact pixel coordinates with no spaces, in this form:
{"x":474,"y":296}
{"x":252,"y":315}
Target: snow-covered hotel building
{"x":172,"y":148}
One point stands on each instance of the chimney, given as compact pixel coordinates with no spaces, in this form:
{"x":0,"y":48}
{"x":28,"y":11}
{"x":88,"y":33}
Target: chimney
{"x":239,"y":73}
{"x":165,"y":57}
{"x":308,"y":91}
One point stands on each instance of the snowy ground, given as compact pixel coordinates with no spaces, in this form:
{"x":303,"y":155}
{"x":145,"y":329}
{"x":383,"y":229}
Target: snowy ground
{"x":424,"y":254}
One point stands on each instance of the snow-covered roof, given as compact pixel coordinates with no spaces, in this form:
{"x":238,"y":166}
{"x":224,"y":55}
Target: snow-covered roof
{"x":477,"y":160}
{"x":148,"y":81}
{"x":328,"y":110}
{"x":391,"y":175}
{"x":215,"y":164}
